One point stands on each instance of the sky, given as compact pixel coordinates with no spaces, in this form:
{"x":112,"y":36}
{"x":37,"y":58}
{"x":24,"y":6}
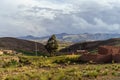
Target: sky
{"x":45,"y":17}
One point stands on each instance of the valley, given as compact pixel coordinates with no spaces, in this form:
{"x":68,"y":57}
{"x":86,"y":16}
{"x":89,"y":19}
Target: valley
{"x":59,"y":40}
{"x":28,"y":66}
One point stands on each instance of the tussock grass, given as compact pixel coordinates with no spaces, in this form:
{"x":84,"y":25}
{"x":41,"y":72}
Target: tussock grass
{"x":63,"y":67}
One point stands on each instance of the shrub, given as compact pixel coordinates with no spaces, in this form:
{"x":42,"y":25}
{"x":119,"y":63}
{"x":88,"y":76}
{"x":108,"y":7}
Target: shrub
{"x":24,"y":61}
{"x":91,"y":74}
{"x":12,"y":63}
{"x":115,"y":73}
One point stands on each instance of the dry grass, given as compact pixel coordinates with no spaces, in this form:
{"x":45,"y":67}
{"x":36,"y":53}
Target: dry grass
{"x":57,"y":68}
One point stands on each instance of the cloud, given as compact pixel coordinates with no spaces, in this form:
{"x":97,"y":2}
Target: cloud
{"x":43,"y":17}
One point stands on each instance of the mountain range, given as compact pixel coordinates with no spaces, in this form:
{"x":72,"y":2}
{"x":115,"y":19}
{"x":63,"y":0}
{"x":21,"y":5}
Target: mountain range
{"x":75,"y":37}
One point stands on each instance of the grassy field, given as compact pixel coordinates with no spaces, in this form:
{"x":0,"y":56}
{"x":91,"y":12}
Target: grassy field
{"x":65,"y":67}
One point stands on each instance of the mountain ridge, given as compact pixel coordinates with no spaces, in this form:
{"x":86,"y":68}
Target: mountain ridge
{"x":75,"y":37}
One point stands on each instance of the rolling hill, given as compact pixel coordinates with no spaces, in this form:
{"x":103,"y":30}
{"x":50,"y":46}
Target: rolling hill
{"x":19,"y":44}
{"x":91,"y":45}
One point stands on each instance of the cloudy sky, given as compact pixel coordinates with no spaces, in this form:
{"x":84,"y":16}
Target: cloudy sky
{"x":44,"y":17}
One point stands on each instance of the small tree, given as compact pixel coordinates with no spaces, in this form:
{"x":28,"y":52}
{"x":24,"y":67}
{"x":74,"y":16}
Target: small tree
{"x":52,"y":45}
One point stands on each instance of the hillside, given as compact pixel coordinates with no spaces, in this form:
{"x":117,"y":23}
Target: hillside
{"x":91,"y":45}
{"x":19,"y":44}
{"x":74,"y":37}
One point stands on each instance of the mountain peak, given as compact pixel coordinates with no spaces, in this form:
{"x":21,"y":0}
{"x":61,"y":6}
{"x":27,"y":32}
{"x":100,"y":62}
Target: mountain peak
{"x":29,"y":36}
{"x":75,"y":37}
{"x":64,"y":33}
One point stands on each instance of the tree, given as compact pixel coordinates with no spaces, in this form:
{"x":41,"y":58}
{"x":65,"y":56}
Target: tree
{"x":52,"y":45}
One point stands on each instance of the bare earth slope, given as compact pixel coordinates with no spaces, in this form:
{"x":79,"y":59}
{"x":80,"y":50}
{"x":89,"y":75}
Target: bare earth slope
{"x":92,"y":45}
{"x":19,"y":44}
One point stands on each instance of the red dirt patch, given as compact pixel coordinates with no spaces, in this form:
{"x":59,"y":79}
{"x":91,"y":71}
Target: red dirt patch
{"x":105,"y":54}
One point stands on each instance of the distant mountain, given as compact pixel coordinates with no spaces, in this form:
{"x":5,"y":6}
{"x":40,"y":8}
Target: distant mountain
{"x":75,"y":37}
{"x":91,"y":45}
{"x":29,"y":37}
{"x":19,"y":44}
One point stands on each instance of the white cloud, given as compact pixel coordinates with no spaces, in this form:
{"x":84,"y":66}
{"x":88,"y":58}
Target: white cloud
{"x":41,"y":17}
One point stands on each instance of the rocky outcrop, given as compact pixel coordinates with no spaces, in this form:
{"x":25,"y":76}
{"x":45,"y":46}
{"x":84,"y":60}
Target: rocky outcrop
{"x":105,"y":54}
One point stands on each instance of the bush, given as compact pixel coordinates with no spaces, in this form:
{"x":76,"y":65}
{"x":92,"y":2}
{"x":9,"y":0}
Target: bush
{"x":24,"y":61}
{"x":93,"y":74}
{"x":115,"y":73}
{"x":12,"y":63}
